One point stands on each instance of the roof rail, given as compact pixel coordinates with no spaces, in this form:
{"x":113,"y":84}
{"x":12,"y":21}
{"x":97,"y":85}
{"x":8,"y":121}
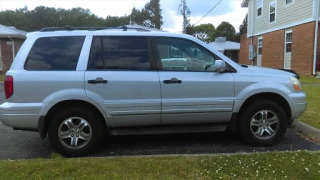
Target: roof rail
{"x":71,"y":28}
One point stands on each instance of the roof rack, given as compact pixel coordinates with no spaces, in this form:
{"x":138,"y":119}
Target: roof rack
{"x":71,"y":28}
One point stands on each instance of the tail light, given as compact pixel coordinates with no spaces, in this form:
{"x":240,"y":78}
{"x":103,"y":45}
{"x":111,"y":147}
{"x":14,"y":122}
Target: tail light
{"x":8,"y":86}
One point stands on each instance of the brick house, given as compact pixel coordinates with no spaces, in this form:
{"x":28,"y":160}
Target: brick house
{"x":284,"y":34}
{"x":11,"y":40}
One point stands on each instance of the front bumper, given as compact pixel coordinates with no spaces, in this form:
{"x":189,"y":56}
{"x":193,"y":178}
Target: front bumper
{"x":298,"y":105}
{"x":20,"y":115}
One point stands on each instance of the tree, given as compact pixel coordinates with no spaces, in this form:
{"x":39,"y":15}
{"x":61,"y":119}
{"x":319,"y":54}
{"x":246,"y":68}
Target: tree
{"x":115,"y":21}
{"x":243,"y":27}
{"x":149,"y":16}
{"x":153,"y":13}
{"x":236,"y":37}
{"x":42,"y":16}
{"x":204,"y":32}
{"x":138,"y":16}
{"x":225,"y":29}
{"x":78,"y":17}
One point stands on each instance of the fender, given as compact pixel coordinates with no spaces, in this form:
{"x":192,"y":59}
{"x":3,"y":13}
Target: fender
{"x":256,"y":88}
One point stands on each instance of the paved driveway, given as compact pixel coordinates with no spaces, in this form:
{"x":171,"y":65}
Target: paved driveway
{"x":26,"y":145}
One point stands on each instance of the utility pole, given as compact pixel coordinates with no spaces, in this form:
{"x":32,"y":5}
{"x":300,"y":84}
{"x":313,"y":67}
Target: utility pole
{"x":185,"y":12}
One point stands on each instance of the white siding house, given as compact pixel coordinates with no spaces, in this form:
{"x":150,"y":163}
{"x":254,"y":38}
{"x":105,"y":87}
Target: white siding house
{"x":286,"y":15}
{"x":285,"y":34}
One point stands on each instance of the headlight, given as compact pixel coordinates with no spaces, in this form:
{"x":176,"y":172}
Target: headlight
{"x":296,"y":84}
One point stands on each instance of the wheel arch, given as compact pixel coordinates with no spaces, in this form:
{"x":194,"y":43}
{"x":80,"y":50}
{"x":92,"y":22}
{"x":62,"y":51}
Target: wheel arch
{"x":45,"y":120}
{"x":277,"y":98}
{"x":240,"y":105}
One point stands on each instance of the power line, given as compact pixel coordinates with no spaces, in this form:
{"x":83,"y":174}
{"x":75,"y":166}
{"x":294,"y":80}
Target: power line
{"x":208,"y":12}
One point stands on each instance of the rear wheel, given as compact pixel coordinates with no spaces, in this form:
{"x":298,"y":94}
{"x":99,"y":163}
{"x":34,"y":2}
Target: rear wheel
{"x":262,"y":123}
{"x":75,"y":131}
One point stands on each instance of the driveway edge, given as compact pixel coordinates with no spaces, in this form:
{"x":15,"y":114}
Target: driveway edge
{"x":306,"y":130}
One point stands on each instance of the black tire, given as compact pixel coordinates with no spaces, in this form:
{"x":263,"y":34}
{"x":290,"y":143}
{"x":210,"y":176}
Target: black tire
{"x":250,"y":111}
{"x":96,"y":129}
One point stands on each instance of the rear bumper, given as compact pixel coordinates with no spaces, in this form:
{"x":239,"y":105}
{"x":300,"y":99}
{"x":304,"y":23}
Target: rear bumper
{"x":20,"y":115}
{"x":299,"y":105}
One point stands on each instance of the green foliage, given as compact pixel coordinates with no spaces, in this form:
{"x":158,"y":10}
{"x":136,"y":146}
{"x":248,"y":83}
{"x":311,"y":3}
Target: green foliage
{"x":138,"y":16}
{"x":207,"y":29}
{"x":243,"y":27}
{"x":41,"y":16}
{"x":225,"y":29}
{"x":115,"y":21}
{"x":153,"y":12}
{"x":149,"y":16}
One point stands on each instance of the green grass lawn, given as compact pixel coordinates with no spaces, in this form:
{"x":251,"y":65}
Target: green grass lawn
{"x":312,"y":114}
{"x":309,"y":80}
{"x":2,"y":77}
{"x":289,"y":165}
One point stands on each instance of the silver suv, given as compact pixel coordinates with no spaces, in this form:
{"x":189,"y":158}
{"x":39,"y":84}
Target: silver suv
{"x":75,"y":84}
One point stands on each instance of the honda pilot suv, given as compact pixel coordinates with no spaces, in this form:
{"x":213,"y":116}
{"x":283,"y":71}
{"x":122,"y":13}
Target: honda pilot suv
{"x":76,"y":84}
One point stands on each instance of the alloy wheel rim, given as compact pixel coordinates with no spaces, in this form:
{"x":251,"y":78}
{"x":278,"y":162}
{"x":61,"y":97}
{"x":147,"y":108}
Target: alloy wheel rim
{"x":74,"y":132}
{"x":264,"y":124}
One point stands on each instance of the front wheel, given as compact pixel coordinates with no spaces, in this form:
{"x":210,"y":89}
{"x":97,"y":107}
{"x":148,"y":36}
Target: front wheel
{"x":75,"y":131}
{"x":263,"y":123}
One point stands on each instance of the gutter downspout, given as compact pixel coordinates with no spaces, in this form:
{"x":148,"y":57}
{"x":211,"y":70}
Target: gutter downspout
{"x":253,"y":23}
{"x":314,"y":73}
{"x":13,"y":53}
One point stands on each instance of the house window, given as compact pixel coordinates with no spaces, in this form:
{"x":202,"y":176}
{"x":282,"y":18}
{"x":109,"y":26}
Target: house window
{"x":272,"y":12}
{"x":288,"y":41}
{"x":260,"y":46}
{"x":289,"y":1}
{"x":260,"y":3}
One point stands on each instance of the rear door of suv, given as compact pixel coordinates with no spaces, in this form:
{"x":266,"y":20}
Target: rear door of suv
{"x":191,"y":90}
{"x":121,"y":76}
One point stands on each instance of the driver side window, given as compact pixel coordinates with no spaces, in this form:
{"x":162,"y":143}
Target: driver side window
{"x":183,"y":55}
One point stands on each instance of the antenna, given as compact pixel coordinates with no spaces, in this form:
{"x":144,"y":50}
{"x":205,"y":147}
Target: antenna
{"x":185,"y":12}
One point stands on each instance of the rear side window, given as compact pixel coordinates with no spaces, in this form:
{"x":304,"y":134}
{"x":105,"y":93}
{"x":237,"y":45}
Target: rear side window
{"x":119,"y":53}
{"x":55,"y":53}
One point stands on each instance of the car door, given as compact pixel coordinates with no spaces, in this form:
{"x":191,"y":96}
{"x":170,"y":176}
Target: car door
{"x":191,"y":90}
{"x":121,"y":78}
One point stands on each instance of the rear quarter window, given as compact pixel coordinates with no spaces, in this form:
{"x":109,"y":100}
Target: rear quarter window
{"x":55,"y":53}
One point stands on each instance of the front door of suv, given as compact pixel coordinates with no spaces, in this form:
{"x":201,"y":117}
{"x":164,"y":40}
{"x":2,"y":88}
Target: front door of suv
{"x":121,"y":77}
{"x":191,"y":90}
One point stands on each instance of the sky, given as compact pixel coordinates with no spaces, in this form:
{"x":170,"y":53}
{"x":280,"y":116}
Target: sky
{"x":227,"y":10}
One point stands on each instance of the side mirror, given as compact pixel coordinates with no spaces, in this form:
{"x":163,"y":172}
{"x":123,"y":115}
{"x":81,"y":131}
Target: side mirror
{"x":220,"y":66}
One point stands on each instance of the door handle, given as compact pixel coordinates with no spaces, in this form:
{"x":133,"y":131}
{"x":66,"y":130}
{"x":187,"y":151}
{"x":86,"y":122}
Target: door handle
{"x":172,"y":81}
{"x":98,"y":81}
